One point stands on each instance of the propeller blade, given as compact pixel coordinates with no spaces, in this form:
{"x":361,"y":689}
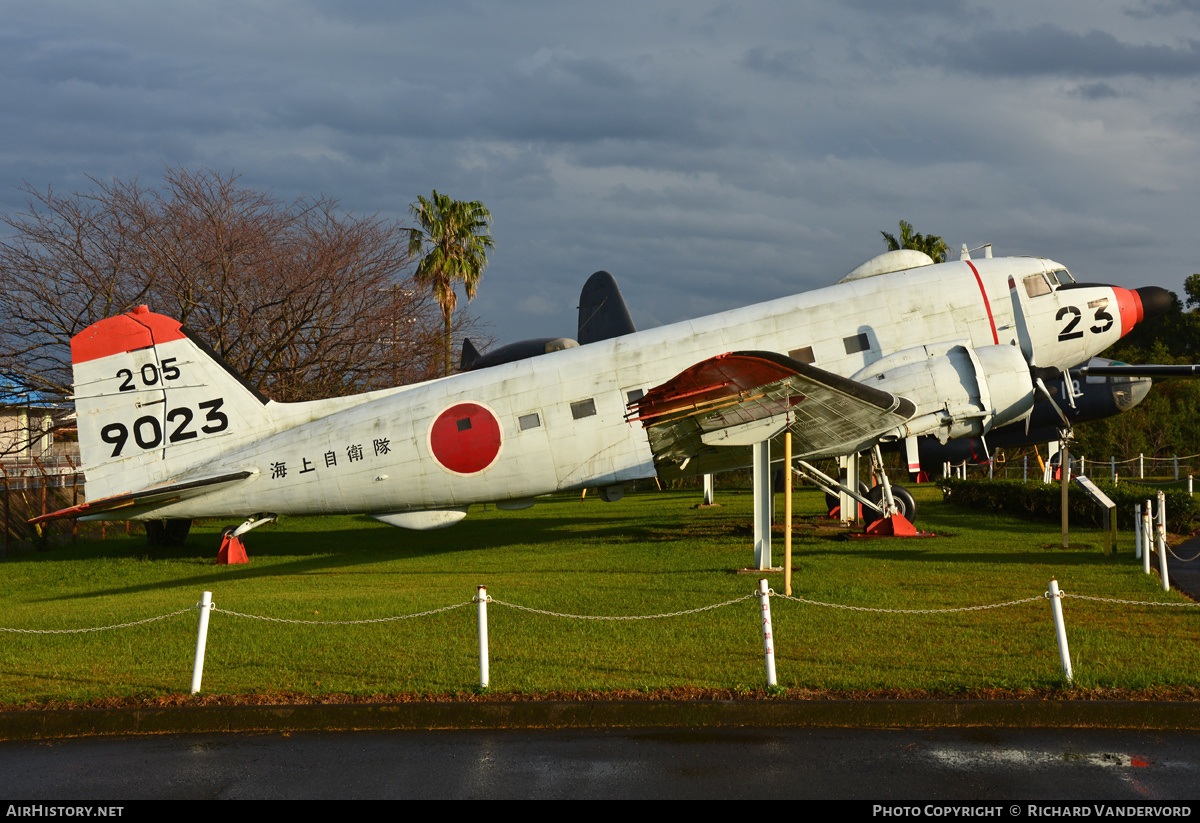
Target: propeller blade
{"x":1023,"y":337}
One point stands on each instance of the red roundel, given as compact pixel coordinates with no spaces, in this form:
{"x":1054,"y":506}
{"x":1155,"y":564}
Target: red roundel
{"x":465,"y":439}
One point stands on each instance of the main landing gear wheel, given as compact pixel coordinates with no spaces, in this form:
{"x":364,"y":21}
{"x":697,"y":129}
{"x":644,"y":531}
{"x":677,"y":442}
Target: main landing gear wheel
{"x":904,"y":502}
{"x":170,"y":532}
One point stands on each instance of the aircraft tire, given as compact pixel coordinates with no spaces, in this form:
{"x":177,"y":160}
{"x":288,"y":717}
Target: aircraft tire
{"x":831,"y":500}
{"x":904,"y":502}
{"x":168,"y":532}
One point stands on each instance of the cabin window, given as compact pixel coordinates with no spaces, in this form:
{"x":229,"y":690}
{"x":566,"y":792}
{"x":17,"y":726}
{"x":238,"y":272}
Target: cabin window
{"x":529,"y":421}
{"x":1036,"y":285}
{"x":464,"y":424}
{"x":804,"y":355}
{"x":857,"y":343}
{"x":583,"y":408}
{"x":633,"y":395}
{"x":1060,"y":277}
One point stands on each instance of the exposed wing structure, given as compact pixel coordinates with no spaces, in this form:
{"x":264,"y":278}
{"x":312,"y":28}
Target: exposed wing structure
{"x":742,"y":398}
{"x":153,"y":496}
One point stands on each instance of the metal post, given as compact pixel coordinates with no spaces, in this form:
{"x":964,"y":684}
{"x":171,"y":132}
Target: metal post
{"x":1137,"y":531}
{"x":1065,"y":465}
{"x":1147,"y":539}
{"x":763,"y":494}
{"x":1112,"y":469}
{"x":708,"y":489}
{"x":787,"y":514}
{"x":1025,"y":469}
{"x":1141,"y":466}
{"x":1189,"y":484}
{"x":1177,"y":467}
{"x":481,"y":598}
{"x":1162,"y":542}
{"x":1060,"y":629}
{"x":201,"y":641}
{"x":764,"y":598}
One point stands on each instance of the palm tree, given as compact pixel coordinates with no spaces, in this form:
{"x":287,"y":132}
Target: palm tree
{"x":931,"y":244}
{"x":452,"y":242}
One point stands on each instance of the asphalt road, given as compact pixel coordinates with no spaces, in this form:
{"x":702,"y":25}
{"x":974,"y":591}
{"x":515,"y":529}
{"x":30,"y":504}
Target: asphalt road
{"x":975,"y":765}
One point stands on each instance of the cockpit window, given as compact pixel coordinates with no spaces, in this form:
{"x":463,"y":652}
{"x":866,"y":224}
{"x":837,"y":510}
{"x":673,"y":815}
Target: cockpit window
{"x":1060,"y":277}
{"x":1036,"y":285}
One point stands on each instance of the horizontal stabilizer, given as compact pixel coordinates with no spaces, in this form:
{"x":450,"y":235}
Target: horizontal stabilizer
{"x":153,"y":496}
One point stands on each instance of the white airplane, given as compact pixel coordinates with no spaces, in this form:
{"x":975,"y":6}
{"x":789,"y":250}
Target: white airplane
{"x":899,"y":348}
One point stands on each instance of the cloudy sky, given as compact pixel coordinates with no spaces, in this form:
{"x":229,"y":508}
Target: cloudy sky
{"x":708,"y":154}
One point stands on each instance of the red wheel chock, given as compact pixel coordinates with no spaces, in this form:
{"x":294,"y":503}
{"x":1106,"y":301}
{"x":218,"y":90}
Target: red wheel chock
{"x":232,"y":551}
{"x":895,"y":526}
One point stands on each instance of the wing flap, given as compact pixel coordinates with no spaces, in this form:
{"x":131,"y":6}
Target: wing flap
{"x":742,"y":398}
{"x":154,"y":495}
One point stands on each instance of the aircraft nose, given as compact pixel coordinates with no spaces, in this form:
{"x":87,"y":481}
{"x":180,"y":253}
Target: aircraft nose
{"x":1155,"y":301}
{"x":1146,"y":303}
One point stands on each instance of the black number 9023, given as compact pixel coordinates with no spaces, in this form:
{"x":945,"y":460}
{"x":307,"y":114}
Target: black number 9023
{"x":148,"y":432}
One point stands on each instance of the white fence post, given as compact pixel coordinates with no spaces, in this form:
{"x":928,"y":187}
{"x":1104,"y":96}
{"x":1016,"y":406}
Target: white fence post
{"x":1060,"y":629}
{"x":1141,"y":466}
{"x":764,"y":598}
{"x":1147,"y":520}
{"x":201,"y":641}
{"x":1162,"y":541}
{"x":484,"y":673}
{"x":1189,"y":484}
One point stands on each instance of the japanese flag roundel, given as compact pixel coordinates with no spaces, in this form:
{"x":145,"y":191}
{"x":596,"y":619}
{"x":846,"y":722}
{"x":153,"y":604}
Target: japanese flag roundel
{"x":465,"y":438}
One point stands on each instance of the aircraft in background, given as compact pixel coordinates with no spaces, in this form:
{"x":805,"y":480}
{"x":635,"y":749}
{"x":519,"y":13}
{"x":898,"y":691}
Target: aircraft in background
{"x":898,"y":349}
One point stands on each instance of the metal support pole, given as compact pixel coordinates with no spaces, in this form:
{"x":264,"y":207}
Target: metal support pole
{"x":1141,"y":466}
{"x":201,"y":641}
{"x":1147,"y":539}
{"x":763,"y":498}
{"x":708,"y":489}
{"x":1060,"y":630}
{"x":1065,"y":464}
{"x":1137,"y":531}
{"x":787,"y":514}
{"x":1162,"y":542}
{"x":764,"y":598}
{"x":481,"y":597}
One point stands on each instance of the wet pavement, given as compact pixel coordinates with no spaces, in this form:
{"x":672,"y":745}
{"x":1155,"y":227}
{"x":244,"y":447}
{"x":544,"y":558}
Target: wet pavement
{"x":865,"y":764}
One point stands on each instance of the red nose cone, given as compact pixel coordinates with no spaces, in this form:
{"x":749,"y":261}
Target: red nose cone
{"x":1130,"y":305}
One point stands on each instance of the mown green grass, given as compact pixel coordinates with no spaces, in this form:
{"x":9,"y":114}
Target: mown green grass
{"x":650,"y":553}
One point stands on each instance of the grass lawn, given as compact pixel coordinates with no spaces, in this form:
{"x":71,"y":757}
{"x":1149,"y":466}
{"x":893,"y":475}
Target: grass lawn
{"x":650,"y":553}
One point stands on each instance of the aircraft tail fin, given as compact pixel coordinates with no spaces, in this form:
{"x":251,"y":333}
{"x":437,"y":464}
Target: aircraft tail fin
{"x":469,"y":355}
{"x":602,"y":310}
{"x":153,"y":402}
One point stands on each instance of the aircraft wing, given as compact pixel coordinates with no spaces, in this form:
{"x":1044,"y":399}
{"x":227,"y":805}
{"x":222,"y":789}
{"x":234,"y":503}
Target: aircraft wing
{"x":154,"y":495}
{"x":1126,"y":370}
{"x":742,"y":398}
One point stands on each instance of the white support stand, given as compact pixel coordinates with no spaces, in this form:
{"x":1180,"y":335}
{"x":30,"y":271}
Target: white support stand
{"x":850,"y":474}
{"x":708,"y":489}
{"x":764,"y":499}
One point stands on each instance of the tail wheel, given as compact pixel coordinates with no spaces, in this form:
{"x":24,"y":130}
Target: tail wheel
{"x":904,"y":503}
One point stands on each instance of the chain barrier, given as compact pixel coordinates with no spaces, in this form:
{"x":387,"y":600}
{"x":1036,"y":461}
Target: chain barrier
{"x":1171,"y":552}
{"x":99,"y":628}
{"x":1128,"y":602}
{"x":344,"y":622}
{"x":629,"y":617}
{"x":905,"y":611}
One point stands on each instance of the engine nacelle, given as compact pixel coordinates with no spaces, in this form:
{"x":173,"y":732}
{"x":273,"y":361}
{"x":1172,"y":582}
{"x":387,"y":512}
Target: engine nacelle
{"x":959,"y":391}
